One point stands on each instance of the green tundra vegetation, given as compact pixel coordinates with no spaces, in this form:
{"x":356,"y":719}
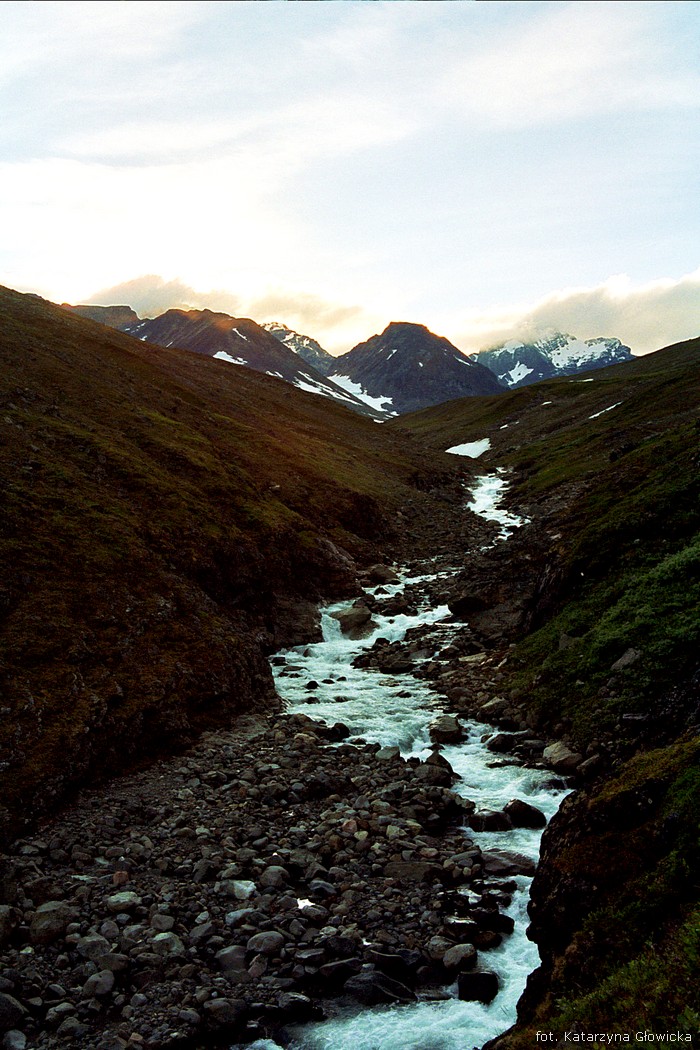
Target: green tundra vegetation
{"x":614,"y":497}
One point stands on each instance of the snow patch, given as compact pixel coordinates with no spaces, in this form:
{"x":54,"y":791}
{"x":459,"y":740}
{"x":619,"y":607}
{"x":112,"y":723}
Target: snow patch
{"x":379,"y":404}
{"x":608,"y":409}
{"x":223,"y":356}
{"x":473,"y":449}
{"x":240,"y":334}
{"x":516,"y":374}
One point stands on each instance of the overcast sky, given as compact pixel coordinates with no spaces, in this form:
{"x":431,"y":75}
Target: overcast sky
{"x":484,"y":168}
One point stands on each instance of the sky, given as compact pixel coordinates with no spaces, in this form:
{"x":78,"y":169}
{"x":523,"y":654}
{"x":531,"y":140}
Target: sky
{"x":490,"y":169}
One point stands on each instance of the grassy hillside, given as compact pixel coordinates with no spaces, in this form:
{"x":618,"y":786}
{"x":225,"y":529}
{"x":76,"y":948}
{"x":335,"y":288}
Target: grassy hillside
{"x":616,"y":519}
{"x":614,"y":497}
{"x":161,"y":511}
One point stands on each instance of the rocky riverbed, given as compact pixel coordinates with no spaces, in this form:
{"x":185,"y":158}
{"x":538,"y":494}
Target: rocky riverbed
{"x":270,"y":873}
{"x":233,"y":889}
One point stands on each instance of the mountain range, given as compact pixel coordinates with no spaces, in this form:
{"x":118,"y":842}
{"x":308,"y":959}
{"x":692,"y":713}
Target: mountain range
{"x":403,"y":369}
{"x":556,"y":354}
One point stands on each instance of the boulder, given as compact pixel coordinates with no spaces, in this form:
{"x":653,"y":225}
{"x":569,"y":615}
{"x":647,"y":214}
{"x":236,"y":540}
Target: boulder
{"x":446,"y":730}
{"x":382,"y":574}
{"x":225,"y":1013}
{"x":11,"y":1012}
{"x":413,"y":871}
{"x":269,"y":942}
{"x":490,"y":820}
{"x":523,"y":815}
{"x":374,"y":988}
{"x":503,"y":862}
{"x":50,"y":920}
{"x":460,"y":957}
{"x":124,"y":901}
{"x":628,"y":658}
{"x":481,"y":986}
{"x":355,"y":622}
{"x":561,"y":759}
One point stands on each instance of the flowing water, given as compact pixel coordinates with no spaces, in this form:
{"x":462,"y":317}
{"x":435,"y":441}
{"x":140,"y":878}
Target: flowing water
{"x":398,"y":711}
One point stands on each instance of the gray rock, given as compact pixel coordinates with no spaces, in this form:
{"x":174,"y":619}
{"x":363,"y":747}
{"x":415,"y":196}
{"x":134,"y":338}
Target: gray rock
{"x":269,"y":942}
{"x":489,"y":820}
{"x":162,"y":923}
{"x":99,"y":985}
{"x":355,"y":622}
{"x":382,"y":574}
{"x":168,"y":943}
{"x":200,"y":934}
{"x":374,"y":988}
{"x":628,"y":658}
{"x":11,"y":1011}
{"x":92,"y":946}
{"x":413,"y":871}
{"x":124,"y":901}
{"x":57,"y":1013}
{"x":561,"y":759}
{"x":274,"y":877}
{"x":388,"y":754}
{"x":224,"y":1013}
{"x":460,"y":957}
{"x":114,"y":961}
{"x":503,"y":862}
{"x":232,"y":959}
{"x":50,"y":921}
{"x":14,"y":1040}
{"x":446,"y":729}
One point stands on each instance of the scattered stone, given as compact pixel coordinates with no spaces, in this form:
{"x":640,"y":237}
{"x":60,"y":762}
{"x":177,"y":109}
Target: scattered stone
{"x":50,"y":921}
{"x":267,"y":943}
{"x":628,"y":658}
{"x":11,"y":1011}
{"x":124,"y":901}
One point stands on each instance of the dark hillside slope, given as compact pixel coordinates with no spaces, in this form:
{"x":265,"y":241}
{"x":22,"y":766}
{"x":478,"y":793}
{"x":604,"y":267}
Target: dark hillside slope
{"x":609,"y":662}
{"x":162,"y":514}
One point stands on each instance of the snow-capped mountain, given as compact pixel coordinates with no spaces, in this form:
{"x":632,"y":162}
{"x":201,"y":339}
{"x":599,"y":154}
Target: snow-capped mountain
{"x":407,"y":367}
{"x":307,"y":348}
{"x":240,"y":341}
{"x":519,"y":364}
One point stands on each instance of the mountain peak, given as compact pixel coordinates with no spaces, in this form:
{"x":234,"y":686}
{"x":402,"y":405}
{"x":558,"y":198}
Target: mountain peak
{"x":408,"y":367}
{"x":550,"y":355}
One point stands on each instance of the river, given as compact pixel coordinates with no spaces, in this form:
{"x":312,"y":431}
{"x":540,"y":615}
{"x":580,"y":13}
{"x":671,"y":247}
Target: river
{"x":398,"y":710}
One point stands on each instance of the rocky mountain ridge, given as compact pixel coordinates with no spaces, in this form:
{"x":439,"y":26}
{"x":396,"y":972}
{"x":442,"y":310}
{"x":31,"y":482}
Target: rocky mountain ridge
{"x":407,"y":368}
{"x":519,"y":364}
{"x":239,"y":341}
{"x":307,"y":348}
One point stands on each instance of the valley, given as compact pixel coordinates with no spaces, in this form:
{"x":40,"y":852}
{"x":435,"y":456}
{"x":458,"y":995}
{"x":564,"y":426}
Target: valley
{"x":170,"y":524}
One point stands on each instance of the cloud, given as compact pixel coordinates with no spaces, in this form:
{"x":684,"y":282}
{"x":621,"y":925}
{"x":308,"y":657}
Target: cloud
{"x":644,"y":316}
{"x":336,"y":325}
{"x":574,"y":60}
{"x":151,"y":295}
